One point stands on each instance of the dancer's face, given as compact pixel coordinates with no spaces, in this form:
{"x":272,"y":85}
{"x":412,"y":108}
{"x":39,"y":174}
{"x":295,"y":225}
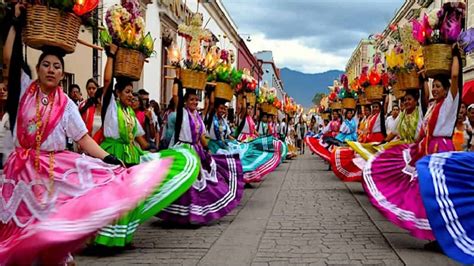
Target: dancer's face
{"x":50,"y":72}
{"x":221,"y":110}
{"x":126,"y":96}
{"x":409,"y":103}
{"x":192,"y":102}
{"x":439,"y":92}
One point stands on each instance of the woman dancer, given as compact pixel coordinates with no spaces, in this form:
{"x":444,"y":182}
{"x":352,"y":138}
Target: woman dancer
{"x":121,"y":129}
{"x":259,"y":157}
{"x":391,"y":178}
{"x":65,"y":197}
{"x":220,"y":185}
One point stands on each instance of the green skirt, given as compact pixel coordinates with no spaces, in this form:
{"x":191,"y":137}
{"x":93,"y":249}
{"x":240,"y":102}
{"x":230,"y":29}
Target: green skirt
{"x":182,"y":174}
{"x":126,"y":152}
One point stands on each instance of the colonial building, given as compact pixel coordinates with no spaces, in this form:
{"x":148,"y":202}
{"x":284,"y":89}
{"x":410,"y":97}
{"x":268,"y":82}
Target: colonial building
{"x":271,"y":73}
{"x":360,"y":58}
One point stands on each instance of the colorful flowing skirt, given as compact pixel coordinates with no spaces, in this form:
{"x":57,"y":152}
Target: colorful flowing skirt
{"x":318,"y":146}
{"x":391,"y":183}
{"x":343,"y":166}
{"x":245,"y":137}
{"x":259,"y":157}
{"x":217,"y":191}
{"x":43,"y":220}
{"x":182,"y":174}
{"x":447,"y":189}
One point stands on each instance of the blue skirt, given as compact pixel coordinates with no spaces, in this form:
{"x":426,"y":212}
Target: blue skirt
{"x":447,"y":189}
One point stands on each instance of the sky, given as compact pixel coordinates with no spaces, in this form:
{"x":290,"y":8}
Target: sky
{"x":310,"y":36}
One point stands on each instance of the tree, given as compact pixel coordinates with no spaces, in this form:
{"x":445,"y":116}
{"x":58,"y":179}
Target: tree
{"x":317,"y":97}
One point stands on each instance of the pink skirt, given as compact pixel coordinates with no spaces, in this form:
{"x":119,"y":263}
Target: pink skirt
{"x":43,"y":221}
{"x":391,"y":183}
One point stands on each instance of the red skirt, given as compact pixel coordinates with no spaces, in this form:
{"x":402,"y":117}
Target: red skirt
{"x":375,"y":137}
{"x":319,"y":147}
{"x":343,"y":166}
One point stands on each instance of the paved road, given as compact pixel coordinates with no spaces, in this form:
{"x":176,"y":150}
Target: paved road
{"x":302,"y":214}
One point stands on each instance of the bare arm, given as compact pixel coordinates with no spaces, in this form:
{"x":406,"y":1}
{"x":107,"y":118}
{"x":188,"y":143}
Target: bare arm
{"x":8,"y":45}
{"x":88,"y":145}
{"x":455,"y":75}
{"x":109,"y":67}
{"x":142,"y":142}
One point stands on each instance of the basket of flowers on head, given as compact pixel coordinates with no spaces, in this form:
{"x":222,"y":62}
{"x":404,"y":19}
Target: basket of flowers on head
{"x":404,"y":61}
{"x":125,"y":28}
{"x":225,"y":76}
{"x":53,"y":23}
{"x":347,"y":95}
{"x":436,"y":32}
{"x":373,"y":83}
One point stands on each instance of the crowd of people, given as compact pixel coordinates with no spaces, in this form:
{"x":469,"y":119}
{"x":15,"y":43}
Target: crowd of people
{"x":86,"y":173}
{"x":413,"y":161}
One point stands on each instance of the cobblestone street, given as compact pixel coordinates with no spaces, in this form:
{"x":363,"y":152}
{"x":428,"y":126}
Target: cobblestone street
{"x":302,"y":214}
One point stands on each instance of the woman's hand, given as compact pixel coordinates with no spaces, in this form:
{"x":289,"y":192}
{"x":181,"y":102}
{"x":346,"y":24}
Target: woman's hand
{"x":111,"y":159}
{"x":19,"y":7}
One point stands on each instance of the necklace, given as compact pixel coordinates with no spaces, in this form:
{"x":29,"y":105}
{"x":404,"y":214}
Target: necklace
{"x":45,"y":100}
{"x":40,"y":129}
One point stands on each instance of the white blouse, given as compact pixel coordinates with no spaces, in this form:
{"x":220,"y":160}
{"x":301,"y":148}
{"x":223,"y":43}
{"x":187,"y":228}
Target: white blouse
{"x":6,"y":138}
{"x":70,"y":125}
{"x":185,"y":134}
{"x":111,"y":128}
{"x":447,"y":116}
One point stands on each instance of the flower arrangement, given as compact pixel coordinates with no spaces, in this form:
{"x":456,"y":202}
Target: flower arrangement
{"x":290,"y":105}
{"x":266,"y":95}
{"x":440,"y":26}
{"x":277,"y":104}
{"x":346,"y":91}
{"x":406,"y":54}
{"x":195,"y":34}
{"x":374,"y":77}
{"x":223,"y":70}
{"x":126,"y":28}
{"x":249,"y":83}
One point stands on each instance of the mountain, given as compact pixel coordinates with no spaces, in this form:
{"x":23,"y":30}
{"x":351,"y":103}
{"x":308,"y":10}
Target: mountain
{"x":302,"y":87}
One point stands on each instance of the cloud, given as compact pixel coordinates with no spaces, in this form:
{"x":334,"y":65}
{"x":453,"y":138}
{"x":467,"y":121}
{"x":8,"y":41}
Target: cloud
{"x":295,"y":54}
{"x":326,"y":29}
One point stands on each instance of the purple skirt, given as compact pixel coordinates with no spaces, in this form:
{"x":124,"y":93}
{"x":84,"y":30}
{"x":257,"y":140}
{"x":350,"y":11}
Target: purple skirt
{"x":216,"y":193}
{"x":391,"y":183}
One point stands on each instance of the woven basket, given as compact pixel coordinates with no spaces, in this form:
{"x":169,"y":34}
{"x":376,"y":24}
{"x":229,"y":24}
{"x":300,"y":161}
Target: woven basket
{"x":325,"y":116}
{"x":437,"y":59}
{"x":251,"y":98}
{"x":362,"y":100}
{"x":409,"y":80}
{"x":224,"y":91}
{"x":193,"y":79}
{"x":397,"y":88}
{"x":129,"y":63}
{"x":374,"y":92}
{"x":51,"y":27}
{"x":336,"y":106}
{"x":349,"y":103}
{"x":266,"y":107}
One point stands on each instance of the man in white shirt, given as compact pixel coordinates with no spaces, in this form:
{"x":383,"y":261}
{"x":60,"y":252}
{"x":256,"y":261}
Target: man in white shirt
{"x":391,"y":121}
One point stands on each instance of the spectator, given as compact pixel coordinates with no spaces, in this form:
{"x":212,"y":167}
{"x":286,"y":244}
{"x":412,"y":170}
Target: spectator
{"x":75,"y":93}
{"x":391,"y":121}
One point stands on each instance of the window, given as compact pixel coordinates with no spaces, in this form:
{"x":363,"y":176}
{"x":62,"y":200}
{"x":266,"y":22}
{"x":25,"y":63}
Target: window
{"x":67,"y":82}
